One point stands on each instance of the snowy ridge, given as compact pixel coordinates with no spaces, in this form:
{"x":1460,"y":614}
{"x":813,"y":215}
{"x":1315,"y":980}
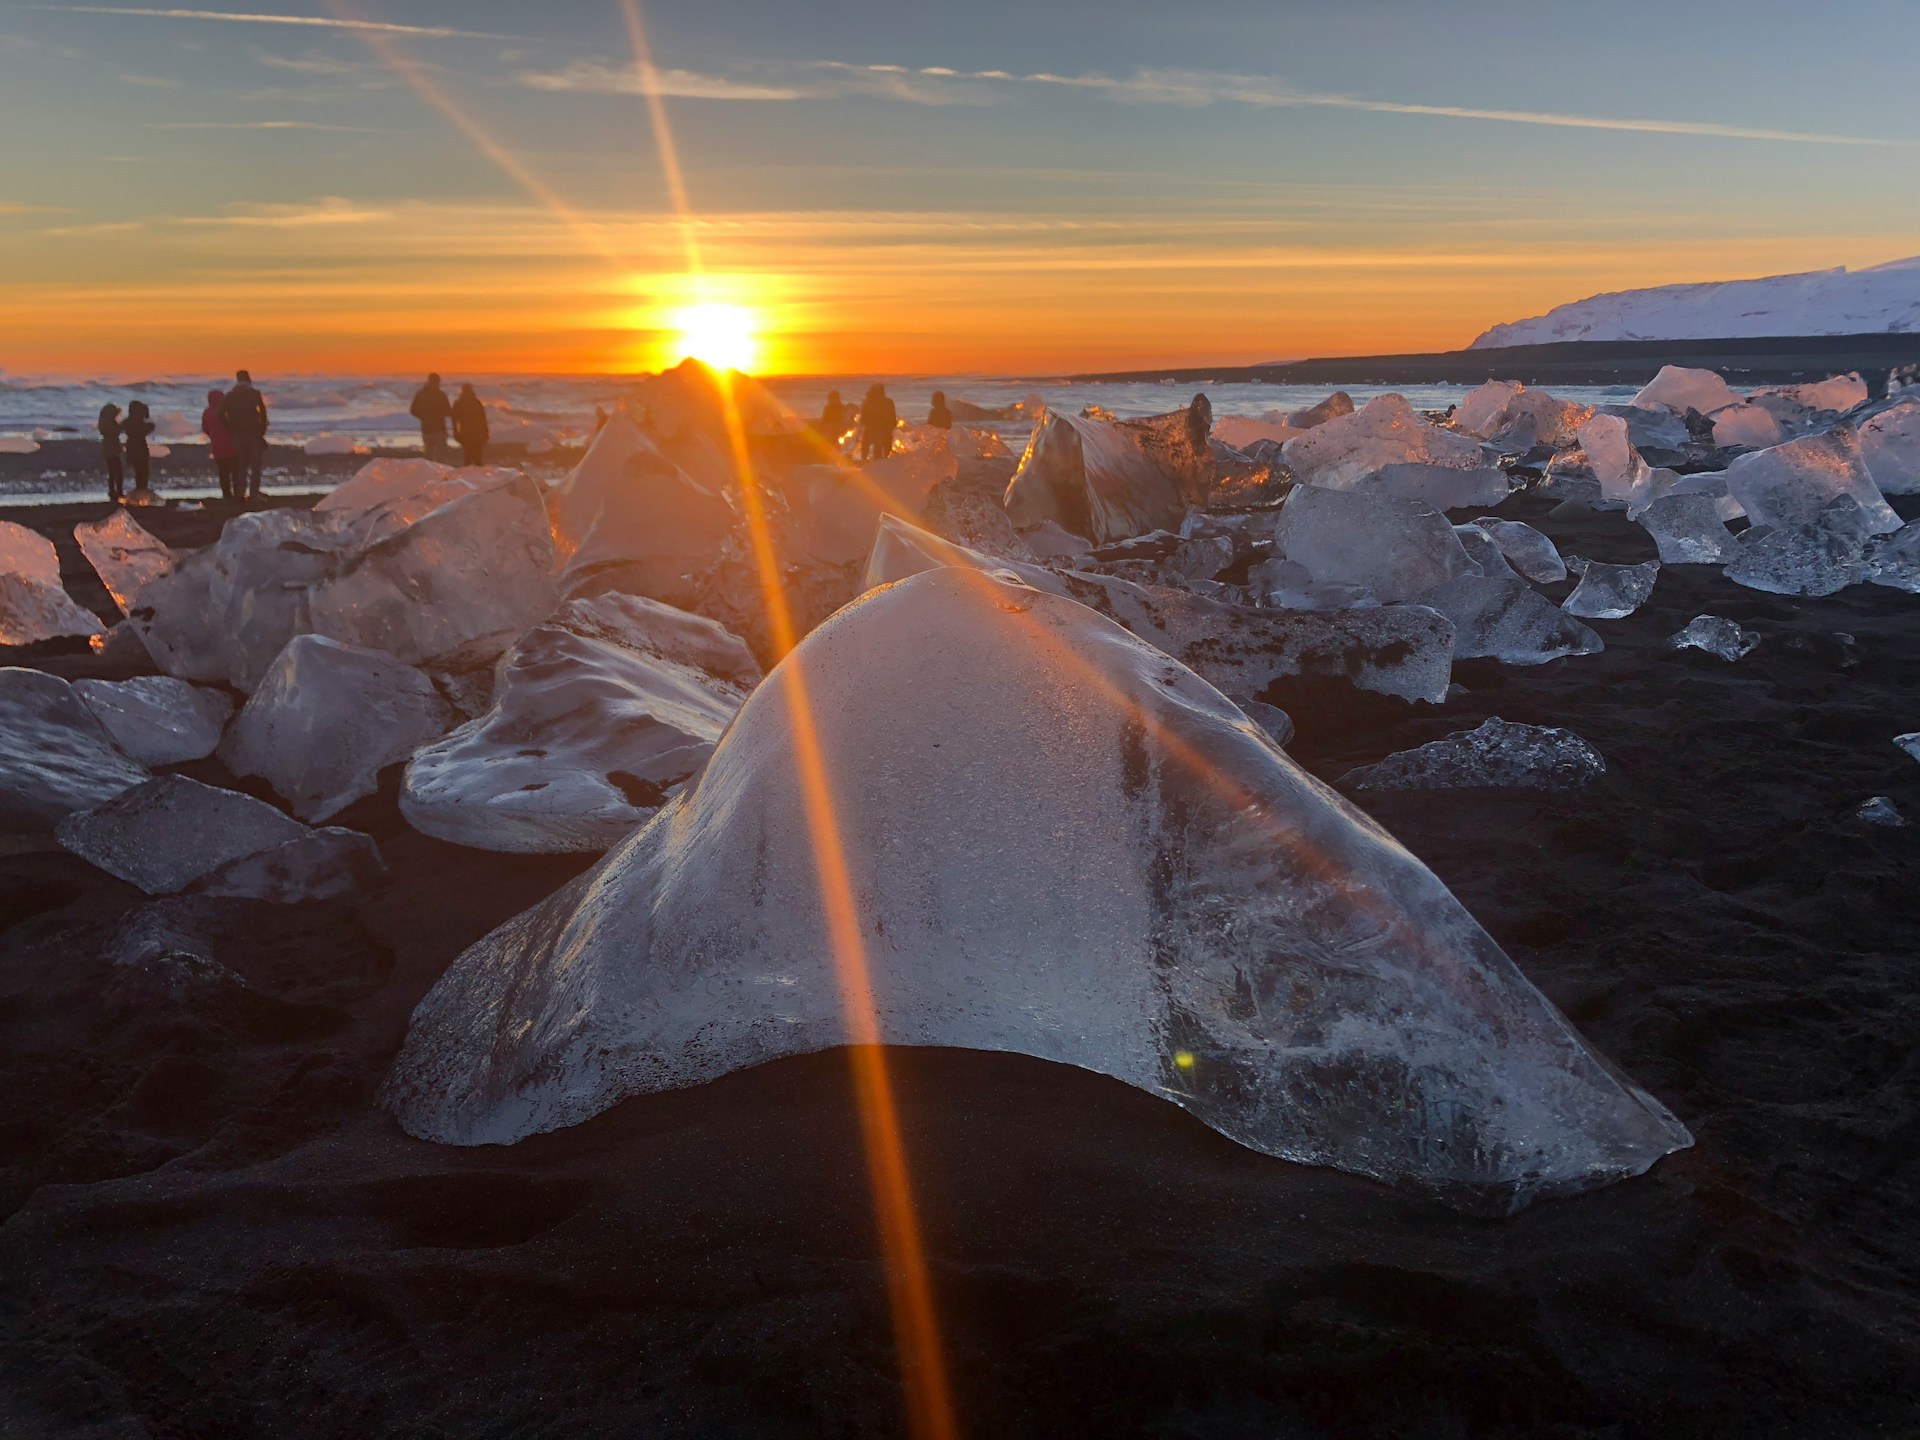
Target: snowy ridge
{"x":1882,"y":299}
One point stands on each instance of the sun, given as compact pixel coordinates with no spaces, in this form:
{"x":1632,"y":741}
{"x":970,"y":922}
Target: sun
{"x":720,"y":335}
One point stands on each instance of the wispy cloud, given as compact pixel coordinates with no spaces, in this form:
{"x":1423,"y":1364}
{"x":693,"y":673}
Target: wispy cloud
{"x":262,"y":125}
{"x":597,"y":77}
{"x":309,"y":64}
{"x":329,"y":210}
{"x":318,"y":22}
{"x":113,"y":227}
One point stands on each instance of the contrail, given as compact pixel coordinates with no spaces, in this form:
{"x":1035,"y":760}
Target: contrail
{"x":320,"y":22}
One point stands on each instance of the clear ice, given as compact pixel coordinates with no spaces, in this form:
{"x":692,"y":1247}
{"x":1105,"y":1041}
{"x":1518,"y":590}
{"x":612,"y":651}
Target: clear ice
{"x":1890,"y":447}
{"x":1792,"y":484}
{"x":1817,"y":558}
{"x":1714,"y":634}
{"x":1688,"y":530}
{"x":327,"y":718}
{"x":56,"y":757}
{"x":1499,"y":754}
{"x":1527,"y":550}
{"x":1393,"y":547}
{"x":600,"y":713}
{"x":1509,"y":621}
{"x":1680,"y":389}
{"x":124,"y":554}
{"x":1108,"y":479}
{"x":1611,"y":592}
{"x":1048,"y":826}
{"x":1490,"y":559}
{"x":1385,"y":431}
{"x":156,"y":719}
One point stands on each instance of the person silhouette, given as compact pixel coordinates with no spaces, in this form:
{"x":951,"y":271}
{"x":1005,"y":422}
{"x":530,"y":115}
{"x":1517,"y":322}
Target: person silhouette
{"x":833,"y":417}
{"x":878,"y":420}
{"x":431,"y":408}
{"x":110,"y":453}
{"x":939,"y":415}
{"x":470,"y":426}
{"x":135,"y":429}
{"x":244,"y":413}
{"x":219,"y":441}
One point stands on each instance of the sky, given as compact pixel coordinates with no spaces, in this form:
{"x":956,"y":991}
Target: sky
{"x":1036,"y":188}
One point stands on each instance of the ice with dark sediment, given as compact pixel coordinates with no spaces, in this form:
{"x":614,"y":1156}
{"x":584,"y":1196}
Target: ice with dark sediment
{"x":1509,"y":621}
{"x":1610,"y":592}
{"x":601,"y":712}
{"x":171,"y":834}
{"x":326,"y":718}
{"x":1688,"y":530}
{"x":1716,"y":635}
{"x":1527,"y":550}
{"x":1890,"y":447}
{"x":124,"y":554}
{"x":1401,"y":650}
{"x":34,"y":606}
{"x":1500,"y":754}
{"x":1792,"y":484}
{"x":1817,"y":558}
{"x":1108,"y":479}
{"x":1894,"y":560}
{"x":318,"y":865}
{"x":1320,"y":412}
{"x":1385,"y":431}
{"x":156,"y":719}
{"x":1486,"y":555}
{"x":1393,"y":547}
{"x":1880,"y":810}
{"x":1045,"y":823}
{"x":55,"y":755}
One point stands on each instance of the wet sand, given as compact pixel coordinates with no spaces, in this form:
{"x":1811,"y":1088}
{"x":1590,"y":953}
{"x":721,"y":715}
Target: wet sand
{"x":211,"y":1229}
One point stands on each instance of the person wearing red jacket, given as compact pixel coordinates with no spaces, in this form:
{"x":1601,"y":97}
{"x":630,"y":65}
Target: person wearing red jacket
{"x":219,"y":441}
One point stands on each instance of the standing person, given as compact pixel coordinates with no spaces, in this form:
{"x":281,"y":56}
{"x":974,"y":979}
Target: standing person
{"x":109,"y":427}
{"x":136,"y":428}
{"x":245,"y":414}
{"x":219,"y":441}
{"x":878,"y":420}
{"x":470,"y":426}
{"x":431,"y":408}
{"x":833,"y":417}
{"x":939,"y":415}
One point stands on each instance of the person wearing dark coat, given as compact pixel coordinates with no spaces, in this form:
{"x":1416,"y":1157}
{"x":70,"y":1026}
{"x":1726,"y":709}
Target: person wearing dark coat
{"x":110,"y":452}
{"x":833,"y":417}
{"x":245,"y":415}
{"x":470,"y":426}
{"x":134,"y":430}
{"x":939,"y":415}
{"x":878,"y":420}
{"x":219,"y":441}
{"x":431,"y":408}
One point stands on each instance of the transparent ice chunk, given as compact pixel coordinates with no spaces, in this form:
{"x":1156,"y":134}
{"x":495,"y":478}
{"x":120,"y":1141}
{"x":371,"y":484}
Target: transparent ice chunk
{"x":29,"y":554}
{"x":1679,"y":389}
{"x":166,"y":833}
{"x":1485,"y":553}
{"x":125,"y":555}
{"x":1500,"y":754}
{"x":1792,"y":484}
{"x":327,"y":718}
{"x":1509,"y":621}
{"x":55,"y":756}
{"x":1108,"y":479}
{"x":1807,"y":559}
{"x":1526,"y":549}
{"x":318,"y":865}
{"x":600,"y":713}
{"x":1890,"y":447}
{"x":1444,"y":487}
{"x":1714,"y":634}
{"x":1688,"y":530}
{"x":1894,"y":560}
{"x":1880,"y":810}
{"x":31,"y":611}
{"x":1047,"y":826}
{"x":1385,"y":431}
{"x":1611,"y":592}
{"x":1615,"y":463}
{"x":1393,"y":547}
{"x":1910,"y":742}
{"x":156,"y":719}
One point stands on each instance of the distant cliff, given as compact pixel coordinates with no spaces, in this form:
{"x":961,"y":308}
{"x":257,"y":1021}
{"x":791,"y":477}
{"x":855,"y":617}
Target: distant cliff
{"x":1881,"y":300}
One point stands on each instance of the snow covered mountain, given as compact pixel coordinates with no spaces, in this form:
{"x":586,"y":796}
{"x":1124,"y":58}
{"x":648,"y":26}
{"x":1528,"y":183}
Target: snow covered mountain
{"x":1883,"y":299}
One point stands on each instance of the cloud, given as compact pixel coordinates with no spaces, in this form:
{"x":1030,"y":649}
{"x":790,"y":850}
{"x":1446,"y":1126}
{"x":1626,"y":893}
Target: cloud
{"x":262,"y":125}
{"x":328,"y":210}
{"x":596,"y":77}
{"x":114,"y":227}
{"x":321,"y":22}
{"x":309,"y":64}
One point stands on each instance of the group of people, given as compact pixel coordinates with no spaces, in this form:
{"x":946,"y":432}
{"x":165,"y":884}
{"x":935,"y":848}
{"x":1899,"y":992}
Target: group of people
{"x":234,"y":422}
{"x":876,"y":419}
{"x":466,"y":414}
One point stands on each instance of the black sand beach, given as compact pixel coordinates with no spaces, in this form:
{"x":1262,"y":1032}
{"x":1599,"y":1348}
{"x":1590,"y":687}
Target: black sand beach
{"x":210,"y":1230}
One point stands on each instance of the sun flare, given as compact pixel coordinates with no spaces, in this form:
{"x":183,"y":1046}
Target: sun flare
{"x":722,"y":336}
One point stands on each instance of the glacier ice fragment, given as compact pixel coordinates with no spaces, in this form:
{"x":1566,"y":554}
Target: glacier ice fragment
{"x":1714,"y":634}
{"x":1894,"y":560}
{"x":1527,"y":550}
{"x":1108,"y":479}
{"x":156,"y":719}
{"x":1611,"y":592}
{"x":1817,"y":558}
{"x":1394,"y":547}
{"x":1385,"y":431}
{"x":1688,"y":530}
{"x":1490,"y":559}
{"x":124,"y":554}
{"x":1509,"y":621}
{"x":1890,"y":447}
{"x":326,"y":718}
{"x":55,"y":756}
{"x":1880,"y":810}
{"x":29,"y":554}
{"x":32,"y":611}
{"x":600,"y":713}
{"x":1679,"y":389}
{"x":318,"y":865}
{"x":1444,"y":487}
{"x":166,"y":833}
{"x":1048,"y":826}
{"x":1499,"y":754}
{"x":1792,"y":484}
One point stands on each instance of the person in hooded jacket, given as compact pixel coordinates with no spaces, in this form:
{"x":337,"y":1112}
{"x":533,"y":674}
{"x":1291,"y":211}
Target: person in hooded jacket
{"x":134,"y":430}
{"x":219,"y":441}
{"x":431,"y":409}
{"x":940,"y":416}
{"x":110,"y":452}
{"x":470,"y":426}
{"x":245,"y":416}
{"x":878,"y":420}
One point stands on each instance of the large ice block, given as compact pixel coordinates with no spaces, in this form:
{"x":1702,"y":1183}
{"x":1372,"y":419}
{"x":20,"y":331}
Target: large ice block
{"x":1611,"y":592}
{"x":1049,"y":839}
{"x":1487,"y":556}
{"x":1394,"y":547}
{"x":29,"y":554}
{"x":601,"y":712}
{"x":1616,"y":464}
{"x":1515,"y":418}
{"x":1444,"y":487}
{"x":125,"y":555}
{"x":1679,"y":389}
{"x":1688,"y":530}
{"x":1753,"y":426}
{"x":31,"y":612}
{"x":1527,"y":550}
{"x":1890,"y":447}
{"x":1792,"y":484}
{"x":318,"y":865}
{"x":1499,"y":754}
{"x":1816,"y":558}
{"x":156,"y":719}
{"x":1385,"y":431}
{"x":1108,"y":479}
{"x":327,"y":718}
{"x":55,"y":756}
{"x":1509,"y":621}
